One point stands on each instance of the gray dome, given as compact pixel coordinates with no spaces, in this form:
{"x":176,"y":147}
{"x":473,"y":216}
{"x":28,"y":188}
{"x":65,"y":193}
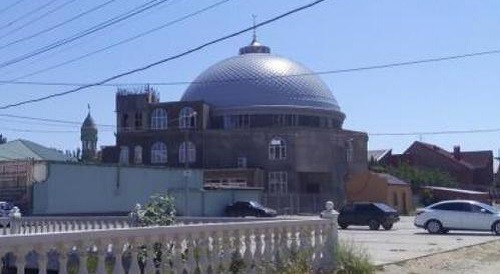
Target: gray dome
{"x":260,"y":79}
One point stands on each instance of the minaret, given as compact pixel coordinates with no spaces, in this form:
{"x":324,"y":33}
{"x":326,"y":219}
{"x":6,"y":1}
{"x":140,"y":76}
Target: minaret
{"x":89,"y":139}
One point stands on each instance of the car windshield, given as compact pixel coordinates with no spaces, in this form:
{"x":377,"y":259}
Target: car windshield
{"x":256,"y":204}
{"x":385,"y":207}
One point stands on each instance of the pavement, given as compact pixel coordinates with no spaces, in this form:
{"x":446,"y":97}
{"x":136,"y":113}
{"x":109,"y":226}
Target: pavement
{"x":405,"y":241}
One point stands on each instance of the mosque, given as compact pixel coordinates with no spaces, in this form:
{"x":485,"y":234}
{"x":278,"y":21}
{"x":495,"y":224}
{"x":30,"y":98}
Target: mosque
{"x":251,"y":120}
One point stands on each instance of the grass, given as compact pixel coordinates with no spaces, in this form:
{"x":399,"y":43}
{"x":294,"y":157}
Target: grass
{"x":352,"y":259}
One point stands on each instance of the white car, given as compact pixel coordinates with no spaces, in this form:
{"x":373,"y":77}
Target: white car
{"x":458,"y":215}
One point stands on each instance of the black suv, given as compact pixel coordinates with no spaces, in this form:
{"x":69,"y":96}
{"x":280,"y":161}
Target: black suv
{"x":370,"y":214}
{"x":251,"y":208}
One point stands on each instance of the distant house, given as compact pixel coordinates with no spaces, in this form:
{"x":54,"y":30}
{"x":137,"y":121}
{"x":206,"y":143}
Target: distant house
{"x":380,"y":187}
{"x":380,"y":156}
{"x":18,"y":169}
{"x":471,"y":169}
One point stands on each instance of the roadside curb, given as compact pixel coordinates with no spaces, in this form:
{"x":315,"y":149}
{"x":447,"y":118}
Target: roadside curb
{"x":381,"y":266}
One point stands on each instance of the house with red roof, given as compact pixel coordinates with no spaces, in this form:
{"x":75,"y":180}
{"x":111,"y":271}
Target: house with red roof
{"x":471,"y":169}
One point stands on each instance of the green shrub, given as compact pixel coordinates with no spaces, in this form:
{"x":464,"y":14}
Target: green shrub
{"x":352,"y":259}
{"x":160,"y":210}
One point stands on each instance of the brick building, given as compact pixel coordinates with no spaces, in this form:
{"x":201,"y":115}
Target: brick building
{"x":254,"y":119}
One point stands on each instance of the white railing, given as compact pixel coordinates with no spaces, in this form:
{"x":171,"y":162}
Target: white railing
{"x":244,"y":247}
{"x":48,"y":224}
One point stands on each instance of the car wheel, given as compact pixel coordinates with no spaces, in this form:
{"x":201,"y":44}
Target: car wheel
{"x":374,"y":224}
{"x":343,"y":226}
{"x":434,"y":227}
{"x":387,"y":226}
{"x":496,"y":227}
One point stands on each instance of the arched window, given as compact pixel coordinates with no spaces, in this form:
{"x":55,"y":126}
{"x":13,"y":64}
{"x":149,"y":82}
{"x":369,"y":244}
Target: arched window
{"x":187,"y":149}
{"x":137,"y":155}
{"x":124,"y":124}
{"x":159,"y":153}
{"x":187,"y":118}
{"x":277,"y":149}
{"x":124,"y":155}
{"x":159,"y":119}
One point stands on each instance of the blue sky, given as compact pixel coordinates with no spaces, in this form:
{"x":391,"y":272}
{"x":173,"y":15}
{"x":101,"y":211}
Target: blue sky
{"x":454,"y":95}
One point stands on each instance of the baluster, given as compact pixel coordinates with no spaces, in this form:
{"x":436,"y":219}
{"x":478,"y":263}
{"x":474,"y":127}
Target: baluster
{"x":20,"y":255}
{"x":204,"y":252}
{"x":247,"y":255}
{"x":83,"y":255}
{"x":294,"y":240}
{"x":268,"y":246}
{"x":277,"y":248}
{"x":42,"y":259}
{"x":226,"y":249}
{"x":190,"y":262}
{"x":257,"y":255}
{"x":149,"y":255}
{"x":118,"y":252}
{"x":177,"y":253}
{"x":317,"y":246}
{"x":134,"y":262}
{"x":216,"y":250}
{"x":102,"y":251}
{"x":63,"y":258}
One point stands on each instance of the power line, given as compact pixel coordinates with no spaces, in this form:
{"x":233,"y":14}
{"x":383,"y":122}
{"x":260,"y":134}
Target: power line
{"x":39,"y":8}
{"x":127,"y":40}
{"x":37,"y":18}
{"x":177,"y":56}
{"x":338,"y":71}
{"x":49,"y":120}
{"x":11,"y":6}
{"x":142,"y":8}
{"x":57,"y":25}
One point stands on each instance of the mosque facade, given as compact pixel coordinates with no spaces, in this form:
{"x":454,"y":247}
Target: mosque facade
{"x":252,"y":120}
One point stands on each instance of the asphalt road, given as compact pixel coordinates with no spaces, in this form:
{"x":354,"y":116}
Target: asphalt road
{"x":406,"y":241}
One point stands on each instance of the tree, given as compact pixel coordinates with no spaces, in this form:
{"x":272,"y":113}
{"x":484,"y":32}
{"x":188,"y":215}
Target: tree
{"x":3,"y":140}
{"x":160,"y":210}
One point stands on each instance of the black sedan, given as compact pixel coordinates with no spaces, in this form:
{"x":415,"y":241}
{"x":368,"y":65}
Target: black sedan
{"x":368,"y":214}
{"x":250,"y":208}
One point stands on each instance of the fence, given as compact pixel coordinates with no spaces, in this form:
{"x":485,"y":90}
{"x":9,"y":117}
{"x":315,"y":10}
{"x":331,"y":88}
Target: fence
{"x":247,"y":247}
{"x":49,"y":224}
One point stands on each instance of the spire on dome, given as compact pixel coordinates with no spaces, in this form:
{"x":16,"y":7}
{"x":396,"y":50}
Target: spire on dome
{"x":255,"y":46}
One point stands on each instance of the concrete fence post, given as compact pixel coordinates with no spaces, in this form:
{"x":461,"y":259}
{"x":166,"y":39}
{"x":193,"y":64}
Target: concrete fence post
{"x":329,"y":260}
{"x":15,"y":220}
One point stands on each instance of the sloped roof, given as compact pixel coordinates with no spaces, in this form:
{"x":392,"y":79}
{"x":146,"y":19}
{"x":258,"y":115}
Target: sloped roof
{"x":377,"y":154}
{"x":23,"y":149}
{"x":438,"y":150}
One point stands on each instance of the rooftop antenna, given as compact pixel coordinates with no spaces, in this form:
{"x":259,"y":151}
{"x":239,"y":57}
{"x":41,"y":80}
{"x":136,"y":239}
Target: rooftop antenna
{"x":254,"y":27}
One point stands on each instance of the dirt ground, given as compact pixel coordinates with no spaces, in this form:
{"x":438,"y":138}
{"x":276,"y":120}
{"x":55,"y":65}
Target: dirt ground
{"x":483,"y":258}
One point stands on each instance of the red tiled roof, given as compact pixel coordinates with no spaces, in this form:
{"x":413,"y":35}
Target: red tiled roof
{"x":441,"y":152}
{"x":478,"y":158}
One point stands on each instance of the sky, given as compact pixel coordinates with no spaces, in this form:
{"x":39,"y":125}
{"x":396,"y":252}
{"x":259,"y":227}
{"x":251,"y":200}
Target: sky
{"x":453,"y":95}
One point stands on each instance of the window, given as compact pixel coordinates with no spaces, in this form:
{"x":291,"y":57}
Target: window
{"x":277,"y":149}
{"x":395,"y":197}
{"x":137,"y":155}
{"x":453,"y":207}
{"x":187,"y":118}
{"x":138,"y":120}
{"x":278,"y":182}
{"x":124,"y":155}
{"x":159,"y":119}
{"x":187,"y":149}
{"x":236,"y":121}
{"x":159,"y":153}
{"x":125,"y":121}
{"x":242,"y":162}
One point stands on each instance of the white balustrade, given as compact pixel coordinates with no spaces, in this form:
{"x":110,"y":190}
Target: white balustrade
{"x":197,"y":248}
